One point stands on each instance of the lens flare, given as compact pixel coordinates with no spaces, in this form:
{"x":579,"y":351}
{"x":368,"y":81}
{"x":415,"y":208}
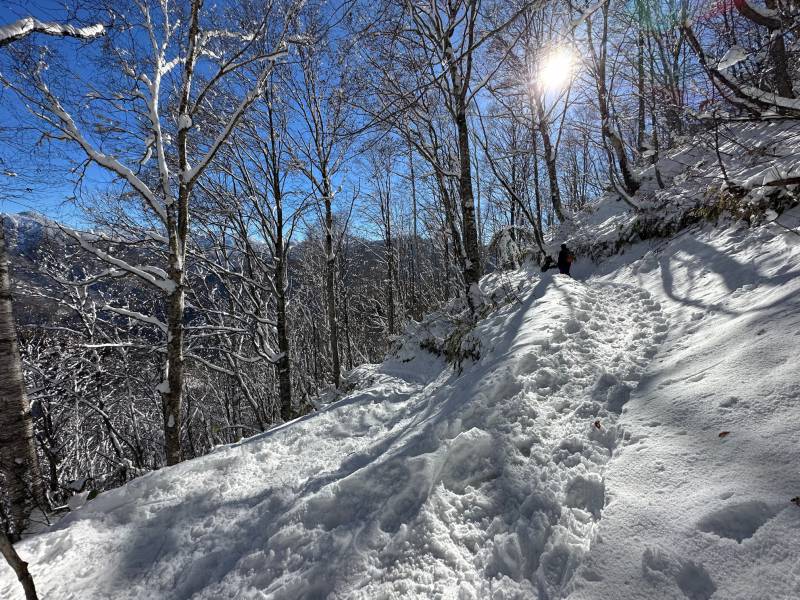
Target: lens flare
{"x":556,"y":70}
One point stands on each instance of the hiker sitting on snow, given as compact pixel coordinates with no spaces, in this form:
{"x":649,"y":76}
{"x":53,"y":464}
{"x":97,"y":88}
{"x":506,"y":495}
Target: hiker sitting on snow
{"x":565,"y":260}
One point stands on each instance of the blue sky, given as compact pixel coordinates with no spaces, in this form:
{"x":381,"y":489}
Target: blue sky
{"x":48,"y":188}
{"x":39,"y":186}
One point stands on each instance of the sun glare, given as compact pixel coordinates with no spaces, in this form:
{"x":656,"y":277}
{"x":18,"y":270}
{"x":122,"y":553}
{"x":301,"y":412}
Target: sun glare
{"x":556,"y":70}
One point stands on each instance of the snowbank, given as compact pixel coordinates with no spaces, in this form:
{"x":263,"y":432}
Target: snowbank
{"x":699,"y":185}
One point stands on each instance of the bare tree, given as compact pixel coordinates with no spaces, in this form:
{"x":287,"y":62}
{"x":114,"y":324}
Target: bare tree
{"x":321,"y":92}
{"x":426,"y":56}
{"x":178,"y":41}
{"x":614,"y":143}
{"x":18,"y":464}
{"x":251,"y":199}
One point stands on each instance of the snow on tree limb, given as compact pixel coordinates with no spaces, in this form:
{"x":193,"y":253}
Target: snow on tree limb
{"x":24,"y":27}
{"x":67,"y":125}
{"x":585,"y":14}
{"x":758,"y":95}
{"x":757,"y":14}
{"x":143,"y":272}
{"x":138,"y":316}
{"x":750,"y":98}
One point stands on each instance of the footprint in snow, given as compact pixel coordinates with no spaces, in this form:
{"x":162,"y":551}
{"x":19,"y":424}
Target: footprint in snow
{"x":739,"y":521}
{"x":694,"y":581}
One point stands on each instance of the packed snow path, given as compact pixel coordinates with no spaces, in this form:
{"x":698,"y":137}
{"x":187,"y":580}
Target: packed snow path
{"x":425,"y":482}
{"x":521,"y":475}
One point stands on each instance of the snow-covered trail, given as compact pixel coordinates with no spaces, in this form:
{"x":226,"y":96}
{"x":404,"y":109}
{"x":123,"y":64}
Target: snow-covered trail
{"x":507,"y":475}
{"x":578,"y":458}
{"x":424,"y":482}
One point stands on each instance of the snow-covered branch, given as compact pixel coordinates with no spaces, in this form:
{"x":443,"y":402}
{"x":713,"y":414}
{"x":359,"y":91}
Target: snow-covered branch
{"x":152,"y":275}
{"x":151,"y":320}
{"x":24,"y":27}
{"x":68,"y":127}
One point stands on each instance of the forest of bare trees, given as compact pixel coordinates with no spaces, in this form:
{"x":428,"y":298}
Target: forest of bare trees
{"x":269,"y":192}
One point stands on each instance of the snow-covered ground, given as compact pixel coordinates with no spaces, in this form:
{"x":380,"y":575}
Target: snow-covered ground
{"x":579,"y":457}
{"x":692,"y":511}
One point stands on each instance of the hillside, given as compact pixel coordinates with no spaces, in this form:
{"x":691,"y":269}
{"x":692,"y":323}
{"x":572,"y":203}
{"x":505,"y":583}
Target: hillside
{"x":580,"y":456}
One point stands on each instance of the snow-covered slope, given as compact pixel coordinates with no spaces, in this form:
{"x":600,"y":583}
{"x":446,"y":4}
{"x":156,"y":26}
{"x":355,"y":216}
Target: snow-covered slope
{"x":699,"y":505}
{"x":578,"y":457}
{"x":698,"y":183}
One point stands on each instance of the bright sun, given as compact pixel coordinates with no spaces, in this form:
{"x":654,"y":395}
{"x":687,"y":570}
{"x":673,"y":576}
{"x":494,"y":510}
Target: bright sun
{"x":556,"y":69}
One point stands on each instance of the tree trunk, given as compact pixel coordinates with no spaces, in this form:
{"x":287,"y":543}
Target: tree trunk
{"x":613,"y":143}
{"x":388,"y":247}
{"x":512,"y":217}
{"x":283,"y":365}
{"x":18,"y":464}
{"x":537,"y":195}
{"x":172,"y":396}
{"x":640,"y":115}
{"x":20,"y":566}
{"x":472,"y":263}
{"x":330,"y":288}
{"x":447,"y":262}
{"x":549,"y":159}
{"x":414,"y":250}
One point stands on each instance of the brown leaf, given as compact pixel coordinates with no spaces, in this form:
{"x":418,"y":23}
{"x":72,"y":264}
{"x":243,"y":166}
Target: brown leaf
{"x":724,"y":433}
{"x":597,"y":424}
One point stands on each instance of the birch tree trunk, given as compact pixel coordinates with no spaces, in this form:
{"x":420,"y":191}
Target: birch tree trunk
{"x":172,"y":395}
{"x":549,"y":157}
{"x":18,"y":466}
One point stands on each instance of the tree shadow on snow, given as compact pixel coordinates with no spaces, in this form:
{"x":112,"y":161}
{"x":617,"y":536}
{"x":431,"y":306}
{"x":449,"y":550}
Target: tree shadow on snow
{"x":734,"y":275}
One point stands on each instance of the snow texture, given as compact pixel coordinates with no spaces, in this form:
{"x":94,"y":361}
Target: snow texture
{"x":579,"y":456}
{"x":693,"y":514}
